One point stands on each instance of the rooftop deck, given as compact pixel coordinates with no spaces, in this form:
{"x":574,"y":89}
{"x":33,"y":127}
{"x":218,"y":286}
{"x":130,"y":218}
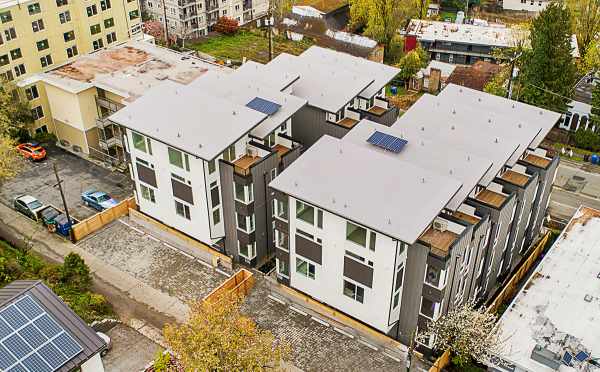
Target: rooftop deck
{"x":347,"y":123}
{"x":538,"y":161}
{"x":466,"y":217}
{"x":491,"y":198}
{"x":376,"y":110}
{"x":515,"y":178}
{"x":281,"y":150}
{"x":440,"y":241}
{"x":243,"y":164}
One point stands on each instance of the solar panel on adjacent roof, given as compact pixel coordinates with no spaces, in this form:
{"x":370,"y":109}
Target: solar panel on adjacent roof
{"x":581,"y":356}
{"x":567,"y":358}
{"x":264,"y":106}
{"x":387,"y":141}
{"x":31,"y":341}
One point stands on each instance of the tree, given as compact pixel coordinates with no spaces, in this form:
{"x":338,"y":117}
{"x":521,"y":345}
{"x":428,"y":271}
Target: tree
{"x":381,"y":19}
{"x":411,"y":63}
{"x":227,"y":26}
{"x":15,"y":113}
{"x":547,"y":69}
{"x":10,"y":162}
{"x":75,"y":273}
{"x":468,"y":333}
{"x":586,"y":21}
{"x":499,"y":83}
{"x":595,"y":114}
{"x":217,"y":337}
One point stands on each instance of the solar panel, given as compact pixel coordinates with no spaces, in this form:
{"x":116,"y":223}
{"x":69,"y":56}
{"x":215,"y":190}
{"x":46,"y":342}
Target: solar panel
{"x":65,"y":343}
{"x":47,"y":326}
{"x":387,"y":142}
{"x":28,"y":307}
{"x":567,"y":358}
{"x":6,"y":359}
{"x":35,"y":363}
{"x":17,"y":368}
{"x":13,"y":317}
{"x":264,"y":106}
{"x":52,"y":356}
{"x":5,"y":329}
{"x":581,"y":356}
{"x":32,"y":335}
{"x":17,"y":345}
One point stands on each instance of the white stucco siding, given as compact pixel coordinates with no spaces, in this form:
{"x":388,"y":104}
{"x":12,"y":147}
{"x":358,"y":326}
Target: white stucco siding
{"x":94,"y":364}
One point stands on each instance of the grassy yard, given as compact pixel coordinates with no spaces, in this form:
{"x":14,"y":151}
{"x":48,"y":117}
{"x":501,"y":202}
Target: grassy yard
{"x":448,"y":14}
{"x":252,"y":44}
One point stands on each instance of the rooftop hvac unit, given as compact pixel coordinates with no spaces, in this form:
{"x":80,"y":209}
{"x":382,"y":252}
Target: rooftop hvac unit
{"x":440,"y":224}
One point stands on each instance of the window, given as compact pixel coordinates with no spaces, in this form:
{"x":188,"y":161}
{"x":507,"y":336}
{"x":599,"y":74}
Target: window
{"x":182,"y":209}
{"x":305,"y":268}
{"x":216,"y":216}
{"x":247,"y":251}
{"x":105,"y":4}
{"x":72,"y":51}
{"x":245,"y":223}
{"x":319,"y":218}
{"x":356,"y":234}
{"x":273,"y":173}
{"x":31,"y":92}
{"x":4,"y":60}
{"x":5,"y":17}
{"x":65,"y":17}
{"x":20,"y":70}
{"x":10,"y":33}
{"x":134,"y":14}
{"x":214,"y":194}
{"x":94,"y":29}
{"x":61,"y":2}
{"x":305,"y":212}
{"x":34,"y":8}
{"x":435,"y":276}
{"x":37,"y":112}
{"x":37,"y":25}
{"x":97,"y":44}
{"x":179,"y":159}
{"x":212,"y":167}
{"x":43,"y":44}
{"x":46,"y":60}
{"x":428,"y":308}
{"x":7,"y":76}
{"x":42,"y":129}
{"x":281,"y":240}
{"x":281,"y":209}
{"x":141,"y":143}
{"x":282,"y":268}
{"x":108,"y":23}
{"x":355,"y":292}
{"x":148,"y":193}
{"x":16,"y":54}
{"x":270,"y":141}
{"x":244,"y":193}
{"x":229,"y":153}
{"x":398,"y":285}
{"x":372,"y":240}
{"x":69,"y":35}
{"x":92,"y":10}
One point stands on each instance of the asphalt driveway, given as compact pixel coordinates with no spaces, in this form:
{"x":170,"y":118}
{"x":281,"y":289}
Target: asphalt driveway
{"x":38,"y":180}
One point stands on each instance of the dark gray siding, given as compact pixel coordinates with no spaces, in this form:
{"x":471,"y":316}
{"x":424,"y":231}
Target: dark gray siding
{"x":226,"y":178}
{"x":455,"y":275}
{"x":387,"y":119}
{"x":480,"y":232}
{"x":309,"y":124}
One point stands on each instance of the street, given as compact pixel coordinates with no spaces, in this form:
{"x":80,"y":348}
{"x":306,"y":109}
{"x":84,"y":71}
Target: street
{"x":575,"y":185}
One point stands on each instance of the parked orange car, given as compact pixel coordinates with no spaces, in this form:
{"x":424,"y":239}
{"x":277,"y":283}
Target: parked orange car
{"x":32,"y":151}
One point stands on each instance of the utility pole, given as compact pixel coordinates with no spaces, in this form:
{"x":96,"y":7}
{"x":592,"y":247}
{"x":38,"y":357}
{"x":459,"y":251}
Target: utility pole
{"x":166,"y":26}
{"x":62,"y":194}
{"x":512,"y":76}
{"x":411,"y":348}
{"x":270,"y":23}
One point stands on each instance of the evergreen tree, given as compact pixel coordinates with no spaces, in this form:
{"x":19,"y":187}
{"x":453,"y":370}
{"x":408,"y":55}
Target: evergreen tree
{"x":548,"y":66}
{"x":595,"y":116}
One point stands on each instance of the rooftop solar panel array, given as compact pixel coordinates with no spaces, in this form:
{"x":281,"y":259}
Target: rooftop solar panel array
{"x":263,"y":105}
{"x":387,"y":142}
{"x":31,"y":341}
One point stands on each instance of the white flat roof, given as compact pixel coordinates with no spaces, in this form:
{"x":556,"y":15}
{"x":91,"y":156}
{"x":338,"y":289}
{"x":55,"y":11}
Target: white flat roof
{"x":381,"y":73}
{"x":323,"y":85}
{"x":255,"y":72}
{"x":493,"y":35}
{"x":384,"y":193}
{"x":551,"y":309}
{"x":189,"y":118}
{"x":445,"y":68}
{"x":467,"y":168}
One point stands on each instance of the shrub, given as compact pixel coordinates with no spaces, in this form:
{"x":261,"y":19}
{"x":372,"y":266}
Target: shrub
{"x":75,"y":273}
{"x":45,"y":138}
{"x":162,"y":361}
{"x":587,"y":140}
{"x":227,"y":26}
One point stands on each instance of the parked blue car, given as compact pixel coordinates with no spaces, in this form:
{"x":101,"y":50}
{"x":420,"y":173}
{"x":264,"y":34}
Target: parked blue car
{"x":97,"y":199}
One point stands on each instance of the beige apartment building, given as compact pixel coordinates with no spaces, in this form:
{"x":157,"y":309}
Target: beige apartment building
{"x":39,"y":35}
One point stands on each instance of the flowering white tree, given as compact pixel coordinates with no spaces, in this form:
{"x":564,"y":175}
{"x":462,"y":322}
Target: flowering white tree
{"x":466,"y":331}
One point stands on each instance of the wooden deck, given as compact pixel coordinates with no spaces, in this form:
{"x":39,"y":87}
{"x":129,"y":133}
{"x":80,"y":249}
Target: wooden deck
{"x":281,"y":150}
{"x":440,"y":241}
{"x":243,"y":164}
{"x":466,"y":217}
{"x":491,"y":198}
{"x":538,"y":161}
{"x":515,"y":178}
{"x":347,"y":123}
{"x":376,"y":110}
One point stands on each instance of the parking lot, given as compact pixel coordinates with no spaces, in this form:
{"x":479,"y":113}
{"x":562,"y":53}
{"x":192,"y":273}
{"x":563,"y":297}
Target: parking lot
{"x":38,"y":180}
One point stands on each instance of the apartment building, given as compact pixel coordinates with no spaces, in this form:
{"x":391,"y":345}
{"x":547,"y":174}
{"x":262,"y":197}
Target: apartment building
{"x":39,"y":35}
{"x":414,"y":219}
{"x":461,"y":44}
{"x":341,"y":89}
{"x":196,"y":18}
{"x":203,"y":165}
{"x":525,"y":5}
{"x":76,"y":98}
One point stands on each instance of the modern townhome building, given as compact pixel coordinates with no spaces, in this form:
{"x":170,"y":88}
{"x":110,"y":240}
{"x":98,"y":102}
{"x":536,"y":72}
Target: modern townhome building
{"x":202,"y":165}
{"x":341,"y":89}
{"x":414,"y":219}
{"x":73,"y":100}
{"x":525,"y":5}
{"x":462,"y":44}
{"x":196,"y":18}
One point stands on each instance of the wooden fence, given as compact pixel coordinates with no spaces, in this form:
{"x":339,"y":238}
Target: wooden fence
{"x":239,"y":285}
{"x":100,"y":219}
{"x":505,"y":294}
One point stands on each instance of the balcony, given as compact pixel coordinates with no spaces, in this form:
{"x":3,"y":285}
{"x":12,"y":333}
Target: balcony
{"x":491,"y":198}
{"x":107,"y":107}
{"x":242,"y":165}
{"x":439,"y":241}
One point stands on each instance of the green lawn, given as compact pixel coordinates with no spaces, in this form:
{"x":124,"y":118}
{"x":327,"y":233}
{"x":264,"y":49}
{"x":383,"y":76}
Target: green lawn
{"x":252,"y":44}
{"x":444,"y":14}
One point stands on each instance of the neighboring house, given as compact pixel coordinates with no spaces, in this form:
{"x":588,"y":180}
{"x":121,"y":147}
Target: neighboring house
{"x":340,"y":89}
{"x":551,"y":325}
{"x":432,"y":78}
{"x":525,"y":5}
{"x":196,"y":18}
{"x":40,"y":35}
{"x":580,"y":109}
{"x":462,"y":44}
{"x":39,"y":332}
{"x":335,"y":12}
{"x":409,"y":221}
{"x":475,"y":76}
{"x":77,"y":97}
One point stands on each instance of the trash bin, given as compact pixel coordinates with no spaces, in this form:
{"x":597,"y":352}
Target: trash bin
{"x":394,"y":90}
{"x":595,"y":159}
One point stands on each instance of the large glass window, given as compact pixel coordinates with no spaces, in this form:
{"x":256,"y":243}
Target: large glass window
{"x":305,"y":212}
{"x":217,"y":216}
{"x":281,"y":240}
{"x":148,"y":193}
{"x":435,"y":276}
{"x":229,"y":153}
{"x":179,"y":159}
{"x":247,"y":250}
{"x":243,"y":193}
{"x":356,"y":234}
{"x":245,"y":223}
{"x":141,"y":143}
{"x":305,"y":268}
{"x":428,"y":307}
{"x":282,"y":268}
{"x":354,"y":291}
{"x":211,"y":167}
{"x":182,"y":210}
{"x":281,"y":209}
